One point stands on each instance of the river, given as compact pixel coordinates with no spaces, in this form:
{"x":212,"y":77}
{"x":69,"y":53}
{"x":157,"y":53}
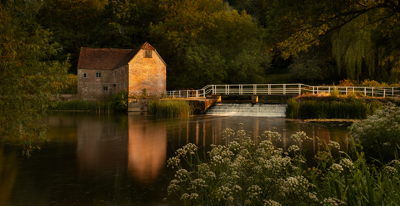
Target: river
{"x":113,"y":159}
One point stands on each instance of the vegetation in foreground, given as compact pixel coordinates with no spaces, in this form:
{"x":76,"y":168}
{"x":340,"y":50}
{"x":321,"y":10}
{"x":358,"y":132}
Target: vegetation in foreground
{"x":251,"y":173}
{"x":169,"y":108}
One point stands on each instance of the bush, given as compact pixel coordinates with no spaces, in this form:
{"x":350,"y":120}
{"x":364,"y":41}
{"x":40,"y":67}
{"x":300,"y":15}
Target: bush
{"x":245,"y":173}
{"x":169,"y":108}
{"x":119,"y":101}
{"x":379,"y":134}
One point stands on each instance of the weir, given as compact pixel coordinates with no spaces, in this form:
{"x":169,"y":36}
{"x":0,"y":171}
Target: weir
{"x":248,"y":109}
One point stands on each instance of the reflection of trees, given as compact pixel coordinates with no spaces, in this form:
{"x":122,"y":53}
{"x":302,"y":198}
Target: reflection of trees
{"x":8,"y":174}
{"x":147,"y":149}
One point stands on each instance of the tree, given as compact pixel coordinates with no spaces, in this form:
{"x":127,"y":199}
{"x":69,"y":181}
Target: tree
{"x":364,"y":33}
{"x":26,"y":75}
{"x":208,"y":42}
{"x":74,"y":24}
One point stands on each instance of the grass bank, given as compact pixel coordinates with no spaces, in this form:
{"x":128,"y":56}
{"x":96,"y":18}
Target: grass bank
{"x":84,"y":105}
{"x":169,"y":108}
{"x":343,"y":108}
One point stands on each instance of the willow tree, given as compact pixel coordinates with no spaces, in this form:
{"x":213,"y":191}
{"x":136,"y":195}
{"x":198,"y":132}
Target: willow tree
{"x":26,"y":75}
{"x":364,"y":33}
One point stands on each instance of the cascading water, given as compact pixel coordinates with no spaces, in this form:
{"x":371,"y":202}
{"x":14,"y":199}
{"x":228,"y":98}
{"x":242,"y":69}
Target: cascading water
{"x":248,"y":109}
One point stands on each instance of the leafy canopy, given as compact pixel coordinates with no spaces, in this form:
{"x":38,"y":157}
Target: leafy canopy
{"x":26,"y":75}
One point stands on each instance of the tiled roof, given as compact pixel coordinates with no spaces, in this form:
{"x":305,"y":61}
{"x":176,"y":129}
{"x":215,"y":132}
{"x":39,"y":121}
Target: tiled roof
{"x":98,"y":58}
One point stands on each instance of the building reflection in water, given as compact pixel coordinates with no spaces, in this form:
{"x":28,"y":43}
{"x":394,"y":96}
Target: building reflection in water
{"x":101,"y":146}
{"x":147,"y":149}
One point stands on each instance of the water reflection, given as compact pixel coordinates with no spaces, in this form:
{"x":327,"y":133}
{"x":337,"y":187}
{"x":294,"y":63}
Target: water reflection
{"x":121,"y":159}
{"x":8,"y":174}
{"x":147,"y":149}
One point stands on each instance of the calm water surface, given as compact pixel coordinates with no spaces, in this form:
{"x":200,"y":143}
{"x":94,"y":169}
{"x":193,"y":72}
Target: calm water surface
{"x":121,"y":159}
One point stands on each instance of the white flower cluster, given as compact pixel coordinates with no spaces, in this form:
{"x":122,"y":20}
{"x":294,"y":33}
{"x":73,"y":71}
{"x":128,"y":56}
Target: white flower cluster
{"x":189,"y":148}
{"x":228,"y":133}
{"x":173,"y":162}
{"x":254,"y":191}
{"x":198,"y":183}
{"x":300,"y":137}
{"x":334,"y":144}
{"x":272,"y":135}
{"x":293,"y":148}
{"x":296,"y":184}
{"x":225,"y":193}
{"x":271,"y":203}
{"x":173,"y":186}
{"x":347,"y":163}
{"x":181,"y":175}
{"x":332,"y":202}
{"x":389,"y":170}
{"x":186,"y":196}
{"x":336,"y":168}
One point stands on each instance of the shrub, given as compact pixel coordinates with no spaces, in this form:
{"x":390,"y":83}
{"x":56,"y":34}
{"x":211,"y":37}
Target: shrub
{"x":379,"y":134}
{"x":119,"y":101}
{"x":169,"y":108}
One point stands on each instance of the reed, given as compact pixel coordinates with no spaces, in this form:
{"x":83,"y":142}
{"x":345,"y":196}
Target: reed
{"x":169,"y":108}
{"x":351,"y":109}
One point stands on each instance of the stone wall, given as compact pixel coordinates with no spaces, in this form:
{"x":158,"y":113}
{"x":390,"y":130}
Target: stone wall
{"x":147,"y":73}
{"x":92,"y":87}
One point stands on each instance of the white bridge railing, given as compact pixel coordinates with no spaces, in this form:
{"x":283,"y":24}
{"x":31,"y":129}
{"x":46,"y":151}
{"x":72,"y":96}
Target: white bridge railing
{"x":283,"y":89}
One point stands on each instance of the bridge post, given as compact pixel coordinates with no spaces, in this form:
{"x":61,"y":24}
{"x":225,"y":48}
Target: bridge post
{"x":269,"y":89}
{"x":313,"y":90}
{"x":372,"y":92}
{"x":299,"y":89}
{"x":365,"y":91}
{"x":204,"y":93}
{"x":197,"y":93}
{"x":392,"y":91}
{"x":255,"y":89}
{"x":284,"y":89}
{"x":346,"y":91}
{"x":179,"y":94}
{"x":384,"y":93}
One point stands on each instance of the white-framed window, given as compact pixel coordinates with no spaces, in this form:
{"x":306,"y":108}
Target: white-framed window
{"x":84,"y":75}
{"x":98,"y":74}
{"x":148,"y":54}
{"x":105,"y":88}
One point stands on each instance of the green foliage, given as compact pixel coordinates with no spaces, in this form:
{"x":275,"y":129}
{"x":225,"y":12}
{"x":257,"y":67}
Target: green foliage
{"x":379,"y":134}
{"x":344,"y":109}
{"x":169,"y":108}
{"x":249,"y":173}
{"x":208,"y":42}
{"x":119,"y":101}
{"x":26,"y":74}
{"x":292,"y":109}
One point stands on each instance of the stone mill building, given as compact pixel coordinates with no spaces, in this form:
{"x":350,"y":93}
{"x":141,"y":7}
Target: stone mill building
{"x":103,"y":72}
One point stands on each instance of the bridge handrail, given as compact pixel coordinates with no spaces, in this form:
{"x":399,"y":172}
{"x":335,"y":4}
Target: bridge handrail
{"x":292,"y":88}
